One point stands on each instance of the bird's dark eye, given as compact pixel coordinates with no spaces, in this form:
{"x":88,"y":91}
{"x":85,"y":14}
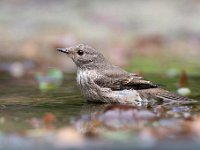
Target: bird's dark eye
{"x":80,"y":52}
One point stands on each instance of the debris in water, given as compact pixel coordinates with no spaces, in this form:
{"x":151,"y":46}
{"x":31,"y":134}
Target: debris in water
{"x":184,"y":91}
{"x":183,"y":81}
{"x":51,"y":80}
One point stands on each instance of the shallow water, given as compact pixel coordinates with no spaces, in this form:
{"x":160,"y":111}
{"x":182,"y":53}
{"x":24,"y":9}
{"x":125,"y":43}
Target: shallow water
{"x":21,"y":100}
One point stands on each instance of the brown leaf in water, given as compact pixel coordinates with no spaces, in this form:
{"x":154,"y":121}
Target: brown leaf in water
{"x":49,"y":118}
{"x":183,"y":80}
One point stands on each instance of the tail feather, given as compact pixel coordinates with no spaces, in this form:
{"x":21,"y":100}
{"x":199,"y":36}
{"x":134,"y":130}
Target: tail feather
{"x":169,"y":96}
{"x":164,"y":95}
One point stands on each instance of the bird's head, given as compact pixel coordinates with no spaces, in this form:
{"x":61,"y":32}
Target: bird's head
{"x":83,"y":56}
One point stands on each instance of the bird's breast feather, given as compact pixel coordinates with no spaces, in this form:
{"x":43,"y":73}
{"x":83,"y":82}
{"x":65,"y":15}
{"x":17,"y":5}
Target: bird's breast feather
{"x":85,"y":76}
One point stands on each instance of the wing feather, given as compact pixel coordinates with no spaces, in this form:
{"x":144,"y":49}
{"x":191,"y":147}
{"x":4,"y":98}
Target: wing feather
{"x":123,"y":80}
{"x":116,"y":81}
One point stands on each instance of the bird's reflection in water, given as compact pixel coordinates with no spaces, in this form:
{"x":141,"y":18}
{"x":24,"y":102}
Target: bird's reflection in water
{"x":98,"y":118}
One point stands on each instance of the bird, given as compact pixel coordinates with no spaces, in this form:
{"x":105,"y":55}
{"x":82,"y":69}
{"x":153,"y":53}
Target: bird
{"x":103,"y":82}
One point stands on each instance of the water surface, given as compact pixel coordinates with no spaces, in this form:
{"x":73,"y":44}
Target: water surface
{"x":21,"y":100}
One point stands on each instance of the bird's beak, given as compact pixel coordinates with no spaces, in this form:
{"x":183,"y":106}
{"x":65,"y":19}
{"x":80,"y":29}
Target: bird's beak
{"x":64,"y":50}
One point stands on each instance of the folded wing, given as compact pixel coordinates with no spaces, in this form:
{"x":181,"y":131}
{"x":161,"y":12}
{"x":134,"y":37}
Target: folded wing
{"x":121,"y":81}
{"x":147,"y":90}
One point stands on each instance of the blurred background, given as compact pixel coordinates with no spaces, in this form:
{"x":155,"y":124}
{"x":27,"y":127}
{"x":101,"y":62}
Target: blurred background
{"x":139,"y":35}
{"x":40,"y":103}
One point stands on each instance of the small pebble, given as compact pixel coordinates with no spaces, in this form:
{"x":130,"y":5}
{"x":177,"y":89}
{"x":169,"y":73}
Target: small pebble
{"x":17,"y":70}
{"x":184,"y":91}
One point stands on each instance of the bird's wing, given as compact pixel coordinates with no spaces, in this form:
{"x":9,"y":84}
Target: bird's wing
{"x":147,"y":90}
{"x":123,"y":80}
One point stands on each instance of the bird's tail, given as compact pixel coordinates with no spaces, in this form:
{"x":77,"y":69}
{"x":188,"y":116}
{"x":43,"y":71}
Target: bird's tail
{"x":167,"y":96}
{"x":161,"y":95}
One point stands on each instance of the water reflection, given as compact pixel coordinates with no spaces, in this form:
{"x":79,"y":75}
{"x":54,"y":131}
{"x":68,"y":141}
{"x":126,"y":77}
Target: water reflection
{"x":21,"y":101}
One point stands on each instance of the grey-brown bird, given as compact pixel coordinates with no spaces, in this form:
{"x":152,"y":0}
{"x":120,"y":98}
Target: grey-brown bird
{"x":101,"y":81}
